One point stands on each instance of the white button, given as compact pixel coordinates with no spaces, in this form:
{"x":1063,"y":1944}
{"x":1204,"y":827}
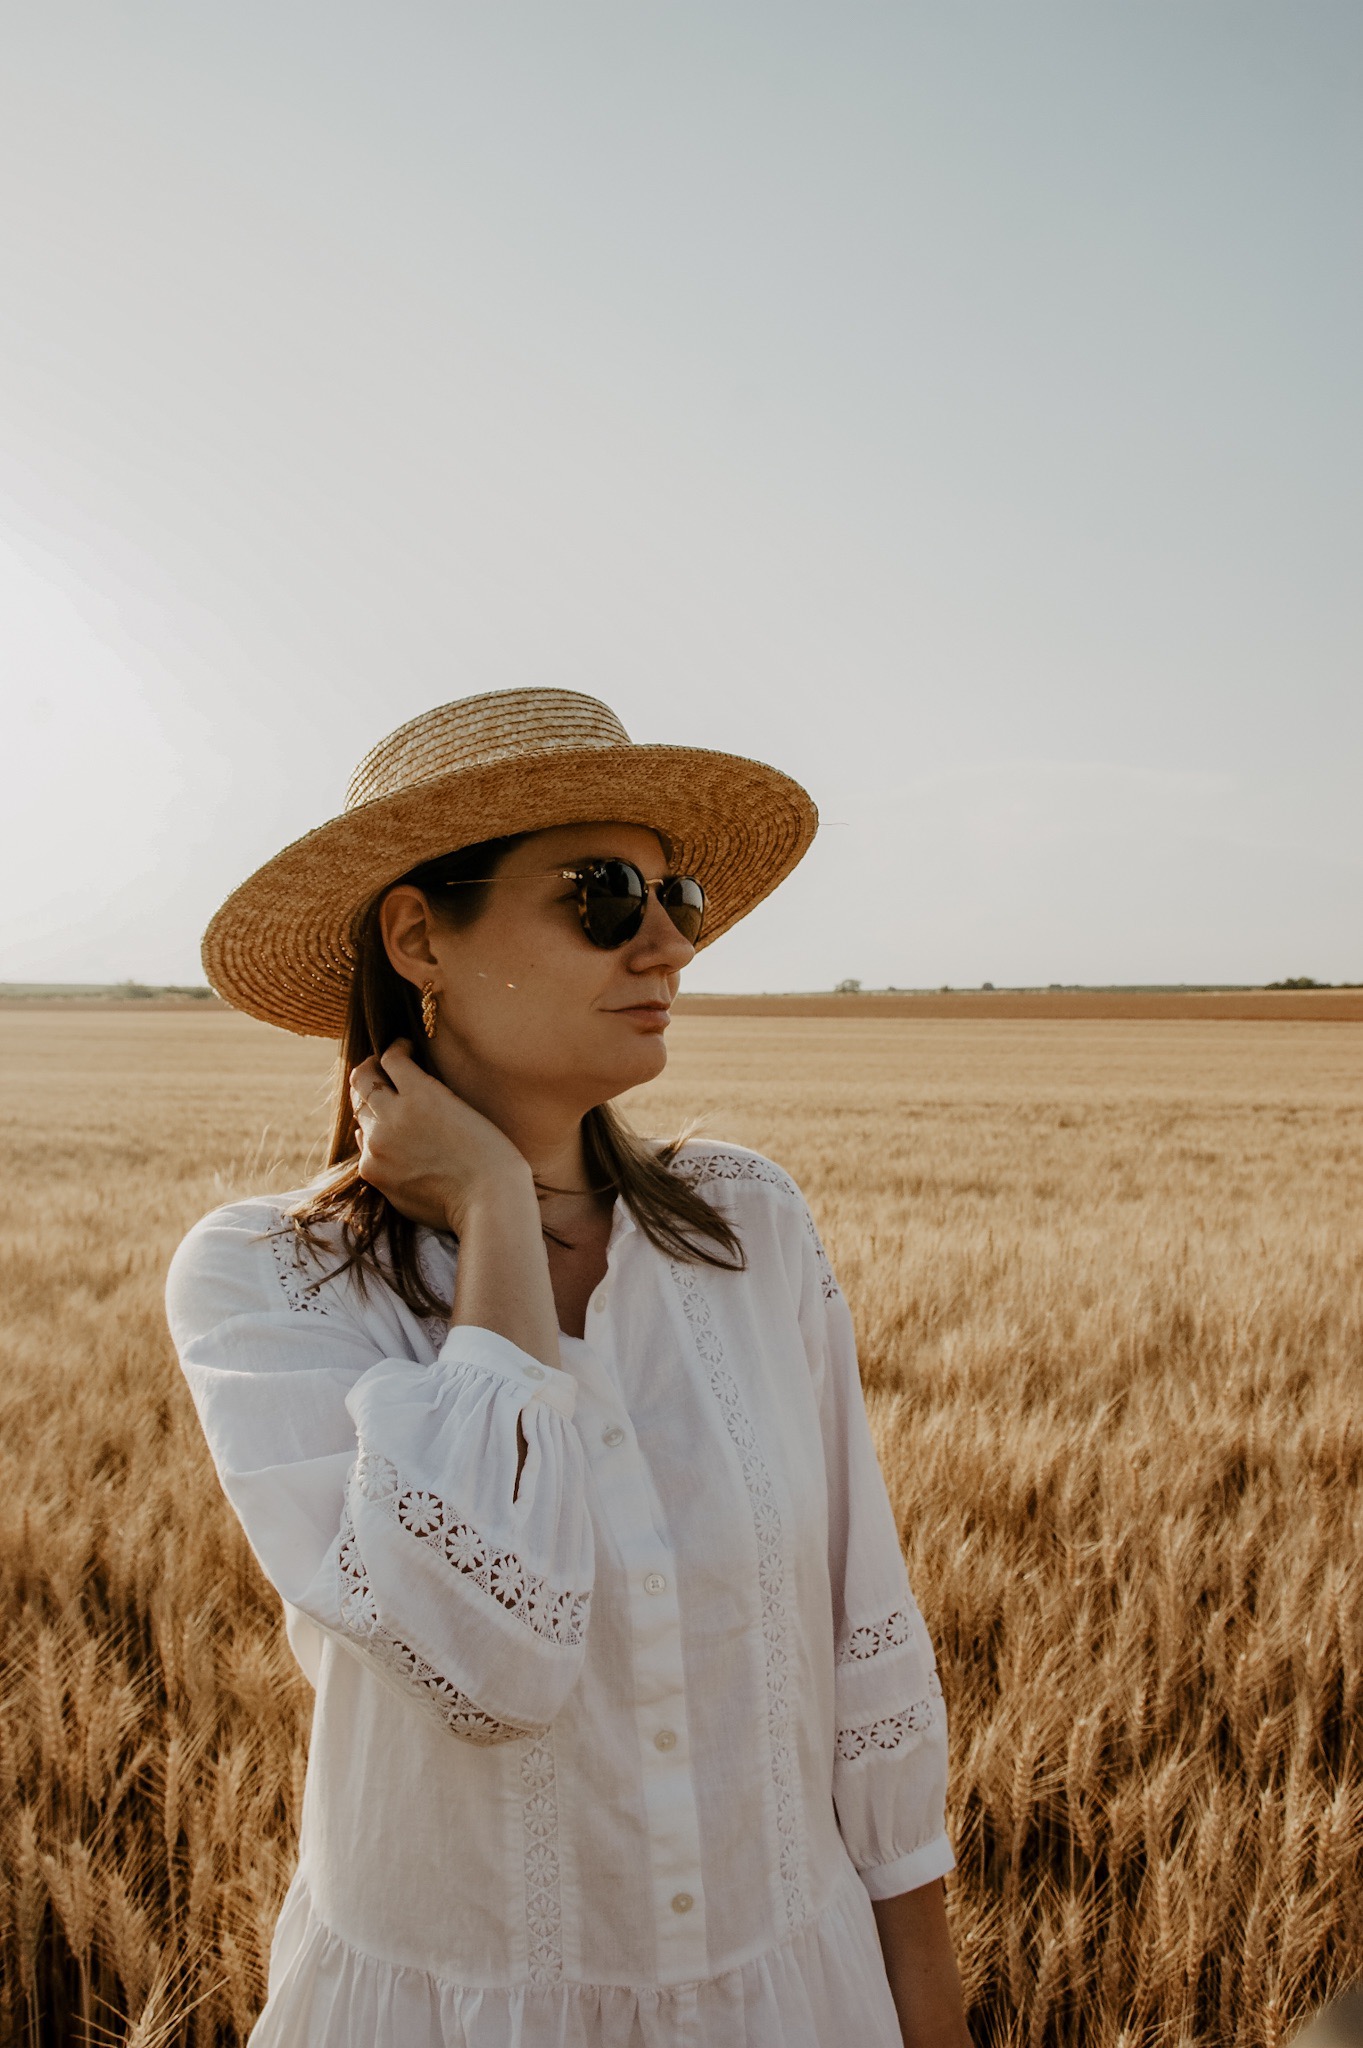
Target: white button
{"x":600,"y":1303}
{"x":682,"y":1902}
{"x":665,"y":1738}
{"x":534,"y":1372}
{"x":655,"y":1583}
{"x":613,"y":1436}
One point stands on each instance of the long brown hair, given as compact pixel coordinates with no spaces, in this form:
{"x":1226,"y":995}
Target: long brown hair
{"x":384,"y":1006}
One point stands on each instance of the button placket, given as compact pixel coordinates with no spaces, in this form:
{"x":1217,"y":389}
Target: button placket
{"x":632,"y":1512}
{"x":668,"y":1783}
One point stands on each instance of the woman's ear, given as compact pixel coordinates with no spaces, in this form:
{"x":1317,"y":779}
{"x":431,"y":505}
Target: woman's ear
{"x":405,"y":927}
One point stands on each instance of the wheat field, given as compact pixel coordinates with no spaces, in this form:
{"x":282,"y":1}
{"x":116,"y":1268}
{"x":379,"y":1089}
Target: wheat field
{"x":1109,"y":1292}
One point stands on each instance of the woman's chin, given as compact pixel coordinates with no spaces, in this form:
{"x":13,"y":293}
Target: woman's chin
{"x":643,"y":1062}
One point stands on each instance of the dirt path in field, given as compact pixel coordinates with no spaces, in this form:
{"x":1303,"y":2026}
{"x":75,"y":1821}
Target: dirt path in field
{"x":1266,"y":1006}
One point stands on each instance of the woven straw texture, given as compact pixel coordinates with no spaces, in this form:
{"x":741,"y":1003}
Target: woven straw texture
{"x":281,"y":947}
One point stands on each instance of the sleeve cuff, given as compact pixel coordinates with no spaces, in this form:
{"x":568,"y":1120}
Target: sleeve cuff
{"x":907,"y":1873}
{"x":485,"y":1351}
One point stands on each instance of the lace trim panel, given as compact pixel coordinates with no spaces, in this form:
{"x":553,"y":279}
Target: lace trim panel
{"x":301,"y":1287}
{"x":877,"y":1638}
{"x":359,"y":1615}
{"x":440,"y":1280}
{"x":559,"y":1617}
{"x":543,"y":1895}
{"x":299,"y":1291}
{"x":771,"y":1573}
{"x":890,"y":1733}
{"x":437,"y":1329}
{"x":734,"y":1166}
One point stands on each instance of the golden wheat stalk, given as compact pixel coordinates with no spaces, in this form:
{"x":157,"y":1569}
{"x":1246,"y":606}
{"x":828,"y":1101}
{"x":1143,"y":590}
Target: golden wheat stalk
{"x":1109,"y":1294}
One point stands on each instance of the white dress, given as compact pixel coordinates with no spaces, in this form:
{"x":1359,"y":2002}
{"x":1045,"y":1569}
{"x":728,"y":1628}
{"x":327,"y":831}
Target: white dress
{"x":615,"y":1758}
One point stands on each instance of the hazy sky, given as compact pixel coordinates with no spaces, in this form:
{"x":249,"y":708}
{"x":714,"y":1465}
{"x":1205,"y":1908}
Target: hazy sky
{"x":956,"y":405}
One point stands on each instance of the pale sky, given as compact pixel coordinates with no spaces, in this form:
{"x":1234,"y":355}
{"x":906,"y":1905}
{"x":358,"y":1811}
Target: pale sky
{"x":958,"y":406}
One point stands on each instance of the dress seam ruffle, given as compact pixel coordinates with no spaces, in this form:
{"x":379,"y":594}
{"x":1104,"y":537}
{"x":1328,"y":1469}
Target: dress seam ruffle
{"x":847,"y":1889}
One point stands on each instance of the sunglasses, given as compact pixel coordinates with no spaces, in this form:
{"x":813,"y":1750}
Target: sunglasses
{"x":612,"y":896}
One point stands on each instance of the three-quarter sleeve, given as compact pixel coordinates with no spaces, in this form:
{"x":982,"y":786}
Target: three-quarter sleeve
{"x":890,"y":1756}
{"x":387,"y":1499}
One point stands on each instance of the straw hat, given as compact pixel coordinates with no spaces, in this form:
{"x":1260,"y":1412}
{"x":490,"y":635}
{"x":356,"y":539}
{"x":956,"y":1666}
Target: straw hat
{"x":282,"y":945}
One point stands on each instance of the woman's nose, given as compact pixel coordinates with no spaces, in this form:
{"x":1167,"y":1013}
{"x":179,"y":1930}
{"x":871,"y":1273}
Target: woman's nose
{"x":658,"y":942}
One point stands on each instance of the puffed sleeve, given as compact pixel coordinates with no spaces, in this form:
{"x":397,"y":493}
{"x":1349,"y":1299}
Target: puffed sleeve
{"x":381,"y":1496}
{"x":890,"y":1759}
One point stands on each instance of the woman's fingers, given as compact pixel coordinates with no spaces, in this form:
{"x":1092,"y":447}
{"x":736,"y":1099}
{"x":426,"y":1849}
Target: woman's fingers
{"x":366,"y":1081}
{"x":389,"y":1069}
{"x":397,"y":1063}
{"x":423,"y":1147}
{"x":368,"y":1076}
{"x":378,"y":1080}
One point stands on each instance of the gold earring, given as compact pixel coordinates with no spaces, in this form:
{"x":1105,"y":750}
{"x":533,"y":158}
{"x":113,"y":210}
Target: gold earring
{"x":428,"y":1008}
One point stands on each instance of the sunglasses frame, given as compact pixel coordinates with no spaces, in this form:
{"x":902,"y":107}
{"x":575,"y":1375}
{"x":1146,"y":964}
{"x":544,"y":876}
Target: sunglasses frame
{"x":581,"y":873}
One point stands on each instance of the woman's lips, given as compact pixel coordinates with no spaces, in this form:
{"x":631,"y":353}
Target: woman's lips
{"x":650,"y":1016}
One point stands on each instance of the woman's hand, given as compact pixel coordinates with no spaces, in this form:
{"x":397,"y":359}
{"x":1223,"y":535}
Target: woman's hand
{"x":433,"y":1156}
{"x":442,"y":1163}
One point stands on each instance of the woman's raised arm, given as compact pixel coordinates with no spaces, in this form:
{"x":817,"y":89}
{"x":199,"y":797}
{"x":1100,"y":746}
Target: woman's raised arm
{"x":430,"y":1516}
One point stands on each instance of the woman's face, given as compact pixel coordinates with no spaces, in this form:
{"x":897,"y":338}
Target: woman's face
{"x":523,"y":997}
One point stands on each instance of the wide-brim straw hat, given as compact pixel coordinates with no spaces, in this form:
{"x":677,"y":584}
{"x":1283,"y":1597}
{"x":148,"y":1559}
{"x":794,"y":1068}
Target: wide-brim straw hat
{"x":282,"y":947}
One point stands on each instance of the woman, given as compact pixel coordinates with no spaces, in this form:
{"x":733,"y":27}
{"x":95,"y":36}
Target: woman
{"x":627,"y":1729}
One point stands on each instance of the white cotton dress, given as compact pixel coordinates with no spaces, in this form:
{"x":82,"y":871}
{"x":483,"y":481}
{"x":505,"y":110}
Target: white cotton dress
{"x":615,"y":1758}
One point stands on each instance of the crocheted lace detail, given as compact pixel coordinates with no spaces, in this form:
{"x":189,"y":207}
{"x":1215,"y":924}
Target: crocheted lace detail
{"x":439,"y":1695}
{"x":543,"y":1899}
{"x":300,"y":1291}
{"x":700,"y":1168}
{"x":876,"y":1638}
{"x":771,"y":1575}
{"x":890,"y":1733}
{"x":301,"y":1286}
{"x":437,"y":1329}
{"x":439,"y":1279}
{"x":560,"y":1617}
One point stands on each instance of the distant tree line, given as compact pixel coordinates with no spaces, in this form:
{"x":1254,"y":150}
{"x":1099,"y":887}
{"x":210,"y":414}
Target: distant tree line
{"x":1307,"y":981}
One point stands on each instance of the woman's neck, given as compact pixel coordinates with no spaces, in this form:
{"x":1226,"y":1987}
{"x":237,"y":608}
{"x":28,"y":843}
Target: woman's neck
{"x":574,"y":1212}
{"x":547,"y":1133}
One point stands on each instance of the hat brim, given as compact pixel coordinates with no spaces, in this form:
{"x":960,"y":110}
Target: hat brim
{"x":282,"y":945}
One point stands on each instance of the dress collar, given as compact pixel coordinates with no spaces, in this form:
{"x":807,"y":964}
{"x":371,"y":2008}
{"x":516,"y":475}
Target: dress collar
{"x":622,"y":1223}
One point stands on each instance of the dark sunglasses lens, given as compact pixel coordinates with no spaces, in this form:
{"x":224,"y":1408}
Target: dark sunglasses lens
{"x":684,"y":901}
{"x":613,"y":898}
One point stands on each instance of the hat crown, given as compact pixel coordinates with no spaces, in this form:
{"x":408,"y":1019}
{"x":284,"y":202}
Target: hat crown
{"x":473,"y":732}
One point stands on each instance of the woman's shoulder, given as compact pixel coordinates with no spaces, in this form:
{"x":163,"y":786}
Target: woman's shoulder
{"x":717,"y":1164}
{"x":746,"y":1180}
{"x":246,"y":1257}
{"x":238,"y":1231}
